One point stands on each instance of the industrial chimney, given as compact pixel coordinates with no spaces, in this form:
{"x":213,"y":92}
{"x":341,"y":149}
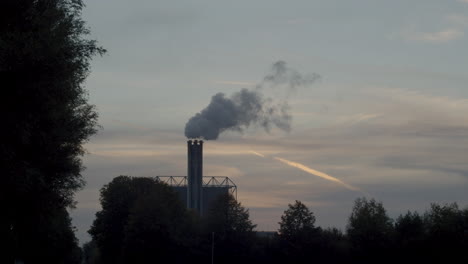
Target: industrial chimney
{"x":195,"y":175}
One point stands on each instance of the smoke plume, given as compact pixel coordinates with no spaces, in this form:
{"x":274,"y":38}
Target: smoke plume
{"x":249,"y":107}
{"x":283,"y":75}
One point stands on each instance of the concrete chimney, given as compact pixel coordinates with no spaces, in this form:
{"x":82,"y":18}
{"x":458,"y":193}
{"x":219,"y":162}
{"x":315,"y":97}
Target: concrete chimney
{"x":195,"y":175}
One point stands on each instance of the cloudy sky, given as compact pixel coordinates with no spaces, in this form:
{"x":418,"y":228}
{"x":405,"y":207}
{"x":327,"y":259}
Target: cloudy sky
{"x":388,"y":116}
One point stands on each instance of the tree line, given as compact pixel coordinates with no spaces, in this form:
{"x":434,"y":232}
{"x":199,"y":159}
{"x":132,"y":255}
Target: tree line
{"x":143,"y":221}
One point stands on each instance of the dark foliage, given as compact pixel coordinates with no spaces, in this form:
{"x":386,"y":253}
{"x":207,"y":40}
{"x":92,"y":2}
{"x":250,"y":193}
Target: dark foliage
{"x":44,"y":59}
{"x":410,"y":236}
{"x":370,"y":231}
{"x":90,"y":253}
{"x":299,"y":240}
{"x":158,"y":228}
{"x":142,"y":221}
{"x":296,"y":222}
{"x":446,"y":228}
{"x":228,"y":221}
{"x":298,"y":235}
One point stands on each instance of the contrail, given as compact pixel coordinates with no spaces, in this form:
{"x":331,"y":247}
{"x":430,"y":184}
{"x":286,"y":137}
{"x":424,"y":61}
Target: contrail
{"x":317,"y":173}
{"x":257,"y":154}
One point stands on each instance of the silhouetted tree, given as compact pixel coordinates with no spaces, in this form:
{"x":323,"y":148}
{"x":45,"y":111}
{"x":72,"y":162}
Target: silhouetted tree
{"x":159,"y":229}
{"x":44,"y":59}
{"x":233,"y":230}
{"x":370,"y":231}
{"x":447,"y":233}
{"x":142,"y":220}
{"x":410,"y":237}
{"x":298,"y":235}
{"x":296,"y":221}
{"x":55,"y":229}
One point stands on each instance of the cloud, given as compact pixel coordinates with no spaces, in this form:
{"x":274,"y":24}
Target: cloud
{"x":240,"y":83}
{"x":357,"y":118}
{"x":220,"y":170}
{"x":442,"y":36}
{"x":134,"y":151}
{"x":452,"y":29}
{"x":408,"y":107}
{"x":425,"y":162}
{"x":463,"y":1}
{"x":458,"y":19}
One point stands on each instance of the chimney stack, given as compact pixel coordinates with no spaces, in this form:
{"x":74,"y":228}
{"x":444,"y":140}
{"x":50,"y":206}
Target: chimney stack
{"x":195,"y":175}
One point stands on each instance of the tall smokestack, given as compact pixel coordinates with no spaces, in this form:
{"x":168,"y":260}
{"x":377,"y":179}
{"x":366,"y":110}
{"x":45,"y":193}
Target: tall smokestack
{"x":195,"y":175}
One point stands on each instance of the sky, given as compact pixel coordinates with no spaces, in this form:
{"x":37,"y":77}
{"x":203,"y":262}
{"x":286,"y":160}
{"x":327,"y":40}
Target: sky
{"x":387,"y":119}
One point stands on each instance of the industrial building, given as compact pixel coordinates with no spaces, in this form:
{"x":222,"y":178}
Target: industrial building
{"x":197,"y":190}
